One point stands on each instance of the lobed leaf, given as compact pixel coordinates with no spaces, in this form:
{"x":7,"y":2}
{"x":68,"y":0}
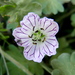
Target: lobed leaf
{"x":73,"y":20}
{"x":51,"y":6}
{"x":64,"y":64}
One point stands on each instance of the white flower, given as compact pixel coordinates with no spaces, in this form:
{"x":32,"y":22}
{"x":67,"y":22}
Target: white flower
{"x":37,"y":36}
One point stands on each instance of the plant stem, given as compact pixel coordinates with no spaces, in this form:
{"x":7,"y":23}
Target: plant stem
{"x":66,"y":15}
{"x":49,"y":70}
{"x":7,"y":56}
{"x":5,"y":63}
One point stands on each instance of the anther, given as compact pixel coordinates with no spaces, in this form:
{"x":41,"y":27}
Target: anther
{"x":18,"y":41}
{"x":33,"y":28}
{"x":30,"y":36}
{"x":36,"y":31}
{"x":41,"y":28}
{"x":34,"y":43}
{"x":34,"y":40}
{"x":44,"y":39}
{"x":39,"y":39}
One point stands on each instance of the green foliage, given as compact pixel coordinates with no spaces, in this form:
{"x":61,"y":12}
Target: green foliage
{"x":17,"y":9}
{"x":14,"y":52}
{"x":64,"y":64}
{"x":2,"y":67}
{"x":51,"y":6}
{"x":73,"y":20}
{"x":12,"y":25}
{"x":14,"y":70}
{"x":64,"y":1}
{"x":73,"y":2}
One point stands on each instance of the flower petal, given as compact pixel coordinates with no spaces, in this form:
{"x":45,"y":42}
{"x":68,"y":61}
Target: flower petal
{"x":53,"y":29}
{"x":52,"y":41}
{"x":18,"y":33}
{"x":45,"y":22}
{"x":49,"y":25}
{"x":49,"y":49}
{"x":30,"y":20}
{"x":21,"y":37}
{"x":33,"y":53}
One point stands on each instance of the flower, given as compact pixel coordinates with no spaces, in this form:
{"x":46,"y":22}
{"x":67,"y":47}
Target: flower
{"x":37,"y":36}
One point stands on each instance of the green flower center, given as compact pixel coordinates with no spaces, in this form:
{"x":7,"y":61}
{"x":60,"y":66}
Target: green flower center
{"x":37,"y":36}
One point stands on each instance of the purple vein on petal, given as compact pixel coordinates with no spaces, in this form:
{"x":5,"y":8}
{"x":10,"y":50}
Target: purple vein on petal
{"x":45,"y":22}
{"x":48,"y":26}
{"x":25,"y":29}
{"x":33,"y":52}
{"x":48,"y":48}
{"x":22,"y":38}
{"x":23,"y":32}
{"x":29,"y":50}
{"x":25,"y":42}
{"x":40,"y":53}
{"x":44,"y":49}
{"x":53,"y":29}
{"x":50,"y":43}
{"x":34,"y":19}
{"x":52,"y":39}
{"x":26,"y":26}
{"x":30,"y":22}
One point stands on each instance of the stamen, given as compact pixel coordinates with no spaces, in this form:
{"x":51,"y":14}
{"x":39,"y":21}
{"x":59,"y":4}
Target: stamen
{"x":36,"y":31}
{"x":39,"y":39}
{"x":41,"y":28}
{"x":44,"y":39}
{"x":34,"y":43}
{"x":30,"y":36}
{"x":33,"y":28}
{"x":18,"y":41}
{"x":34,"y":40}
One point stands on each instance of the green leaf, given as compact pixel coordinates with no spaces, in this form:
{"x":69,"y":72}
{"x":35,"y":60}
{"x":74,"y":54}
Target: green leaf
{"x":64,"y":64}
{"x":12,"y":25}
{"x":42,"y":2}
{"x":35,"y":7}
{"x":14,"y":70}
{"x":31,"y":7}
{"x":62,"y":43}
{"x":21,"y":1}
{"x":73,"y":2}
{"x":64,"y":1}
{"x":73,"y":20}
{"x":38,"y":70}
{"x":18,"y":9}
{"x":2,"y":67}
{"x":53,"y":6}
{"x":6,"y":8}
{"x":56,"y":72}
{"x":14,"y":52}
{"x":73,"y":33}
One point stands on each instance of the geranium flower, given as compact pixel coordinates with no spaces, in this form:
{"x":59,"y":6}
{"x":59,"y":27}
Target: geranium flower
{"x":37,"y":36}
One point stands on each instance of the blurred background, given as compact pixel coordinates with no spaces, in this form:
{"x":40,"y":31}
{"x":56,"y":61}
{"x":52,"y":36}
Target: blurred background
{"x":12,"y":61}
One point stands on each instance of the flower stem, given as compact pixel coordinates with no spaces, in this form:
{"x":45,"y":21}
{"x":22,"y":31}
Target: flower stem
{"x":7,"y":56}
{"x":65,"y":15}
{"x":49,"y":70}
{"x":4,"y":62}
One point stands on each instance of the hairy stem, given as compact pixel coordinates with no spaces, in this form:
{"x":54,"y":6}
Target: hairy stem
{"x":5,"y":63}
{"x":7,"y":56}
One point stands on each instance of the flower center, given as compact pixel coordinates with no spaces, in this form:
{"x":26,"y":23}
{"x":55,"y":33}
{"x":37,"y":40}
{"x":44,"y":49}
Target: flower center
{"x":38,"y":36}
